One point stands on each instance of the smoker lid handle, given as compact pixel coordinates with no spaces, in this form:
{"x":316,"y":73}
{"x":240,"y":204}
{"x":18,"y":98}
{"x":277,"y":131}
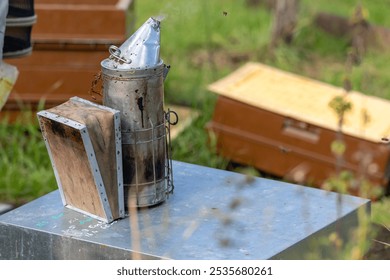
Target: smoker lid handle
{"x":116,"y":53}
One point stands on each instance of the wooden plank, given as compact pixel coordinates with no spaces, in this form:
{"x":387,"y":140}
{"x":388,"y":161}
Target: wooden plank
{"x":84,"y":2}
{"x":54,"y":76}
{"x":80,"y":22}
{"x":52,"y":59}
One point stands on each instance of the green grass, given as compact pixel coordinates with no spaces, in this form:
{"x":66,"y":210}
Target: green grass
{"x":25,"y":169}
{"x":379,"y":210}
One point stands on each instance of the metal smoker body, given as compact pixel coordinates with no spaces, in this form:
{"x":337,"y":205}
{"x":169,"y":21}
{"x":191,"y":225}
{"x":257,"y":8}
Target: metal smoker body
{"x":133,"y":83}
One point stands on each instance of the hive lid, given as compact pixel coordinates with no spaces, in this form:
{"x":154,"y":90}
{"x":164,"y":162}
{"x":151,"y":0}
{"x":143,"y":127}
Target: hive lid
{"x":306,"y":100}
{"x":141,"y":50}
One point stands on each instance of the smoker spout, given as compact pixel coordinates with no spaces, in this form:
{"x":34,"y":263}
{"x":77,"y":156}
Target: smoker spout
{"x":140,"y":51}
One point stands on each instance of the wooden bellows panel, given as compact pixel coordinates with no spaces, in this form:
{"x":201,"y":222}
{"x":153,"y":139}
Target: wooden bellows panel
{"x":84,"y":144}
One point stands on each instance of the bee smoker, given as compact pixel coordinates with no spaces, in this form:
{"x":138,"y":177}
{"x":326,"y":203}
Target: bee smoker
{"x":133,"y":83}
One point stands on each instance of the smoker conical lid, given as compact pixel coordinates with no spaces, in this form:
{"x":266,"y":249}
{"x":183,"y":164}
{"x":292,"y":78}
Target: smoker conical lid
{"x":141,"y":50}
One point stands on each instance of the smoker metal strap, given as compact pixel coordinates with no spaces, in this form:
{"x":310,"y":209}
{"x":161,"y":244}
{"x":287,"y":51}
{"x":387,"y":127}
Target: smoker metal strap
{"x":141,"y":185}
{"x":143,"y":135}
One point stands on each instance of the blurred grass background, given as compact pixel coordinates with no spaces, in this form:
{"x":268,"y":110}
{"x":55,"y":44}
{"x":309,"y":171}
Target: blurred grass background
{"x":203,"y":41}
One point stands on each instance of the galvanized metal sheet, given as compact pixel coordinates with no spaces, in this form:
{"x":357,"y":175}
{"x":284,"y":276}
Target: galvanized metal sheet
{"x":213,"y":214}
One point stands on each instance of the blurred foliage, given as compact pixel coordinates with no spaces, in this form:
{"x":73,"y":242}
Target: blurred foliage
{"x":25,"y":168}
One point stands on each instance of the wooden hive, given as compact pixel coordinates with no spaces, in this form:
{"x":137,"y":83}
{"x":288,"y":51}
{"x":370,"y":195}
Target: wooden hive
{"x":84,"y":143}
{"x":83,"y":21}
{"x":70,"y":38}
{"x":282,"y":124}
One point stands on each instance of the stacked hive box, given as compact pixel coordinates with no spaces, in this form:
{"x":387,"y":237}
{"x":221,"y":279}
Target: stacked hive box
{"x":70,"y":38}
{"x":282,"y":124}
